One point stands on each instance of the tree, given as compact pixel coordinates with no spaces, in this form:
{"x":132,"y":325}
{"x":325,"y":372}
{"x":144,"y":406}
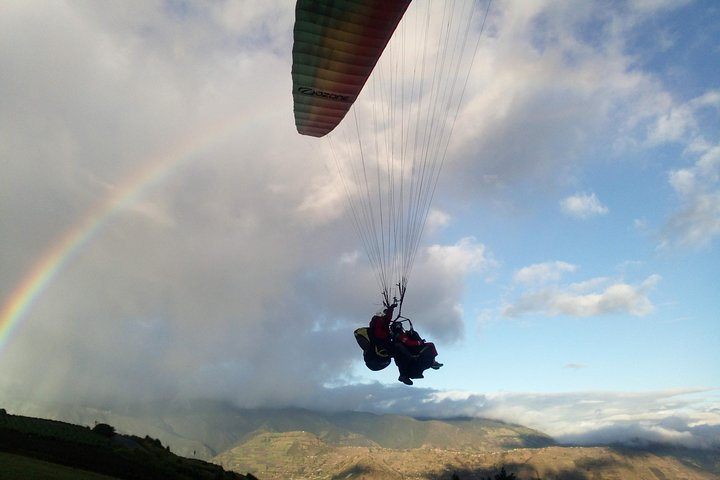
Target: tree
{"x":104,"y":429}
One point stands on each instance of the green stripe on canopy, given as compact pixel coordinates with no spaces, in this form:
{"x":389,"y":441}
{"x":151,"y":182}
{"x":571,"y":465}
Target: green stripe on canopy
{"x":337,"y":44}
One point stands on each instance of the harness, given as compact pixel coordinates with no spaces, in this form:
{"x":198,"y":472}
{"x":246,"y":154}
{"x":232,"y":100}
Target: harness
{"x":377,"y":353}
{"x":376,"y":357}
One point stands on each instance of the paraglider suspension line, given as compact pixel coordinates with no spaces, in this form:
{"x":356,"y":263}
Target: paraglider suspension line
{"x":402,"y":287}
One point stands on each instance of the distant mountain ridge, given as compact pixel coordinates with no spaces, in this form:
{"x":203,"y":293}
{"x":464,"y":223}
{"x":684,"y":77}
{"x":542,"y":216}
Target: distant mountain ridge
{"x":204,"y":429}
{"x":296,"y":443}
{"x":281,"y":456}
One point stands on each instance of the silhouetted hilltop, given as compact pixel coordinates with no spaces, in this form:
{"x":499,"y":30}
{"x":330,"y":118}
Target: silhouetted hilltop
{"x":33,"y":447}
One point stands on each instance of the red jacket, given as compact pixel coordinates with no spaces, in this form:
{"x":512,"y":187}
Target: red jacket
{"x":413,"y":343}
{"x":408,"y":341}
{"x":380,"y":326}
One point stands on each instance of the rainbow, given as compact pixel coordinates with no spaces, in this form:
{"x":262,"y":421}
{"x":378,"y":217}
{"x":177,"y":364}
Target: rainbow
{"x":159,"y":166}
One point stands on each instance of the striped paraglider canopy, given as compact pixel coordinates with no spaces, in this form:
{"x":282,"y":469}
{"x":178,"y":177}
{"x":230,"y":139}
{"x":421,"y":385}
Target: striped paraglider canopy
{"x":337,"y":44}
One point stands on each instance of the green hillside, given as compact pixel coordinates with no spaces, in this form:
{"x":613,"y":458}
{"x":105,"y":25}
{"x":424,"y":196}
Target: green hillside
{"x":34,"y":448}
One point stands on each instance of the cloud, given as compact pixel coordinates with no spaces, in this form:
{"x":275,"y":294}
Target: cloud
{"x":438,"y":283}
{"x":680,"y":122}
{"x":673,"y":125}
{"x":571,"y":300}
{"x":654,"y":6}
{"x":464,"y":257}
{"x":234,"y":272}
{"x":674,"y":417}
{"x":583,"y":205}
{"x":187,"y":287}
{"x":573,"y":72}
{"x":690,"y":124}
{"x":542,"y":273}
{"x":437,"y":219}
{"x":697,"y":223}
{"x":575,"y":366}
{"x":686,"y":417}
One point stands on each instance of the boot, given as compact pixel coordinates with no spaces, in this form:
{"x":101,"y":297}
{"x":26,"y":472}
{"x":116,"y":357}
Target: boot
{"x":406,"y":380}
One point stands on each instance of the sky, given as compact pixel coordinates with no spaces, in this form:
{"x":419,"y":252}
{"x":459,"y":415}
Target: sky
{"x":166,"y":233}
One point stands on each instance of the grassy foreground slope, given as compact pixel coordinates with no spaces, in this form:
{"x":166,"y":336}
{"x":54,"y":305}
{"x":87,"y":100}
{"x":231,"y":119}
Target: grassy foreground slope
{"x":14,"y":467}
{"x":48,"y":449}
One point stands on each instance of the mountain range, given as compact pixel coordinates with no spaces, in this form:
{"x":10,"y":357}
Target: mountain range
{"x":298,"y":443}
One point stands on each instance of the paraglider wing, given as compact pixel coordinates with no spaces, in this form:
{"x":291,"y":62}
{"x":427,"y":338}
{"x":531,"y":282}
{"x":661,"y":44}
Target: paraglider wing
{"x":336,"y":45}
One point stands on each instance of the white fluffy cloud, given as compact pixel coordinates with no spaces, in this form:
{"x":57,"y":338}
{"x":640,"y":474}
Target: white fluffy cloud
{"x":589,"y":298}
{"x":464,"y":257}
{"x":673,"y":417}
{"x":543,"y":273}
{"x":687,"y":417}
{"x":437,"y":219}
{"x":583,"y":205}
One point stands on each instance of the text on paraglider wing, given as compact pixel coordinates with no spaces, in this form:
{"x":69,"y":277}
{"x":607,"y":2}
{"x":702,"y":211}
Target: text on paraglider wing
{"x":329,"y":95}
